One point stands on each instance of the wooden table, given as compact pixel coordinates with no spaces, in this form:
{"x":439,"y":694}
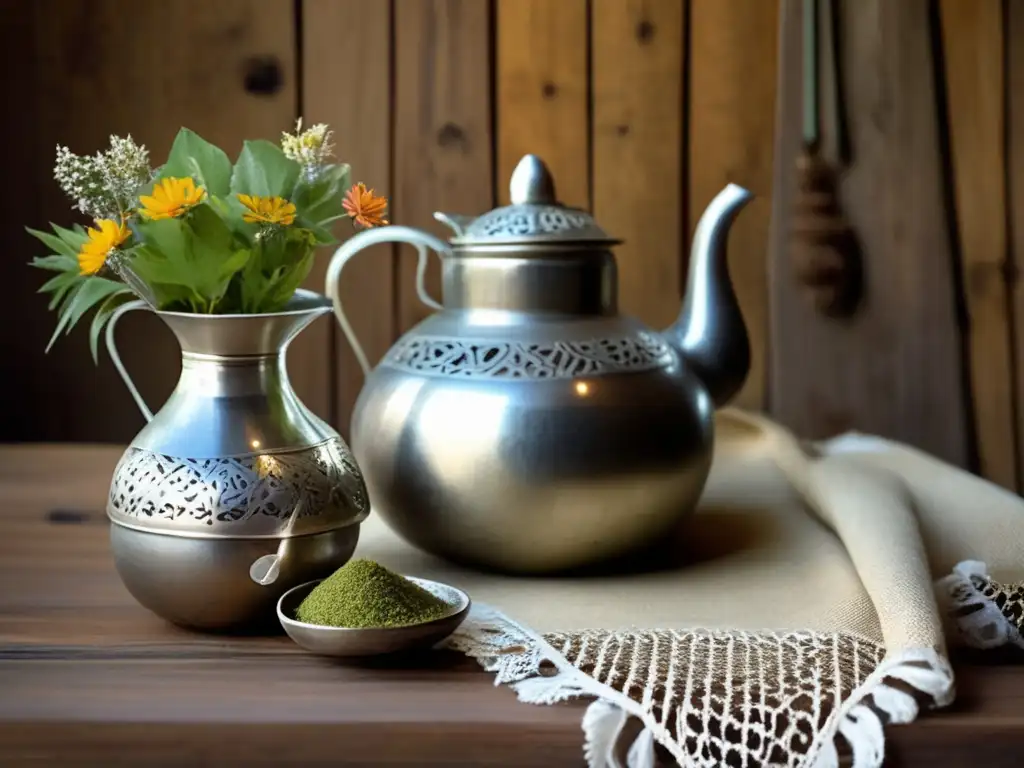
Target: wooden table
{"x":87,"y":677}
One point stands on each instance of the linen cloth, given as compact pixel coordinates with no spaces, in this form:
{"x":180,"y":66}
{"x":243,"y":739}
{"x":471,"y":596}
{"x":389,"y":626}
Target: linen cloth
{"x":808,"y":603}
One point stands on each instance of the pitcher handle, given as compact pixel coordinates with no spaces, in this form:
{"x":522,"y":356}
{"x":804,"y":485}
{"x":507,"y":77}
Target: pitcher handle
{"x":393,"y":234}
{"x":112,"y":349}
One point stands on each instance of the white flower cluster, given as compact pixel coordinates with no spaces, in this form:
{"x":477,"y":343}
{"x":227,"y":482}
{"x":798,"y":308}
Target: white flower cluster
{"x":105,"y":185}
{"x":310,"y":148}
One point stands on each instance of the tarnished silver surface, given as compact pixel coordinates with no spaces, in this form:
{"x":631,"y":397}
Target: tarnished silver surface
{"x":205,"y":583}
{"x":232,"y":465}
{"x":304,"y":490}
{"x":345,"y":642}
{"x":710,"y":333}
{"x":528,"y":426}
{"x":517,"y":359}
{"x":233,"y":396}
{"x":534,"y":215}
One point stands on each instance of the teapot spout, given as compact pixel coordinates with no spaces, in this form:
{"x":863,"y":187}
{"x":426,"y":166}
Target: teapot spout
{"x":710,"y":333}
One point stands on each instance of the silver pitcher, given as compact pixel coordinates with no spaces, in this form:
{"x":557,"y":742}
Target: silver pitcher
{"x":527,"y":426}
{"x":234,"y":491}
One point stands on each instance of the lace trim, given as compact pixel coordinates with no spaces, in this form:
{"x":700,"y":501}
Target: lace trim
{"x":715,"y":698}
{"x":985,"y":613}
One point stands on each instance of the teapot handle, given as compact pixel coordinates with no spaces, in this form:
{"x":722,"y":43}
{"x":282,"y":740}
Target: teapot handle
{"x":116,"y":357}
{"x":393,"y":234}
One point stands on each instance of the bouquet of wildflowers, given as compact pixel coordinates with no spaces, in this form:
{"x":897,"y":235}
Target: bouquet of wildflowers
{"x":199,"y":234}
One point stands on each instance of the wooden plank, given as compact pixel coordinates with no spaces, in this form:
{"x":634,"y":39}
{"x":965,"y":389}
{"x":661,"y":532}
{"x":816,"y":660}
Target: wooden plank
{"x":733,"y":60}
{"x":542,"y":93}
{"x":895,"y":368}
{"x":224,"y":69}
{"x":337,"y":33}
{"x":79,"y":661}
{"x":972,"y":37}
{"x":637,"y":70}
{"x":1014,"y":40}
{"x":443,"y":132}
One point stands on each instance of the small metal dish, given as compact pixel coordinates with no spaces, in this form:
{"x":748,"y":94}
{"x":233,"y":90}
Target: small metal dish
{"x":349,"y":642}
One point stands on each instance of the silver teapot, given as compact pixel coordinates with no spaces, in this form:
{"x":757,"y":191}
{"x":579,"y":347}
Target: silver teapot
{"x":527,"y":426}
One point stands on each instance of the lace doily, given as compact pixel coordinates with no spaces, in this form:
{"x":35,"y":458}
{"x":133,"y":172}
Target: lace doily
{"x":711,"y":699}
{"x":985,"y":613}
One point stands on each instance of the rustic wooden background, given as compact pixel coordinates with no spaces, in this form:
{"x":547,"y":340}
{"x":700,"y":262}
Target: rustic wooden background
{"x":644,"y":109}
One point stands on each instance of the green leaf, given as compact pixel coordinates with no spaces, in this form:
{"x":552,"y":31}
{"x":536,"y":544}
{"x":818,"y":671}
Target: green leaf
{"x":67,"y":276}
{"x":64,"y":316}
{"x":59,"y":287}
{"x":191,"y":155}
{"x":57,"y":282}
{"x":321,"y":235}
{"x":222,"y":208}
{"x":264,"y":170}
{"x":166,"y":238}
{"x":174,"y":298}
{"x":99,"y":320}
{"x":210,"y":231}
{"x":85,"y":294}
{"x":278,"y":266}
{"x":215,"y":251}
{"x":94,"y":290}
{"x":198,"y":252}
{"x":60,"y":293}
{"x":54,"y":243}
{"x":320,"y":200}
{"x":287,"y":283}
{"x":76,"y":237}
{"x":56,"y":263}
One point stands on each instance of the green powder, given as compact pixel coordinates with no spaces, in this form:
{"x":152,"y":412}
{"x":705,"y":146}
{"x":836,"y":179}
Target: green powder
{"x":363,"y":594}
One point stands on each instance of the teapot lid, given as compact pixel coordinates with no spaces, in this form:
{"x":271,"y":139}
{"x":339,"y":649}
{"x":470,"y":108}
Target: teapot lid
{"x":535,"y":217}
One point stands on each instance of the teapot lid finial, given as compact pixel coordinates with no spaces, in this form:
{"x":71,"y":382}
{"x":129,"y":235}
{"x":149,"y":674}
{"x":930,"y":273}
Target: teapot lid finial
{"x":531,"y":183}
{"x":534,"y":217}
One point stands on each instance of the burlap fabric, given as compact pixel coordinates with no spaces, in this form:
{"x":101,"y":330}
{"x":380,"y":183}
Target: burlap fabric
{"x":807,"y":605}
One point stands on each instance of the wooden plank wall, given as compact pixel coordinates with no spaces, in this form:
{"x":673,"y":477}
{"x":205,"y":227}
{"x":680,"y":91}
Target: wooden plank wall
{"x":644,"y":109}
{"x":932,"y":356}
{"x":234,"y":75}
{"x":895,"y":367}
{"x":974,"y":52}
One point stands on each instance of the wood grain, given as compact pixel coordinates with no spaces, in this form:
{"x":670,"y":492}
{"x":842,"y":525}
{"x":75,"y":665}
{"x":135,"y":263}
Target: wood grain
{"x":443,"y":133}
{"x":347,"y":78}
{"x":1014,"y":40}
{"x":733,"y":60}
{"x":87,"y":70}
{"x":972,"y":37}
{"x":80,"y":661}
{"x":638,"y":162}
{"x":542,"y":93}
{"x":895,"y":369}
{"x":92,"y":679}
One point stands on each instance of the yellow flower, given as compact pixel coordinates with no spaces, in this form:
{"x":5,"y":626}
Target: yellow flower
{"x":101,"y":243}
{"x":171,"y":198}
{"x":364,"y":207}
{"x":267,"y":210}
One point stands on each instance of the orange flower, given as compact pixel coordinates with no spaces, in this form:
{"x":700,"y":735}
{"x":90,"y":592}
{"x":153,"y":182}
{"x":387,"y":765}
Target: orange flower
{"x":364,"y":207}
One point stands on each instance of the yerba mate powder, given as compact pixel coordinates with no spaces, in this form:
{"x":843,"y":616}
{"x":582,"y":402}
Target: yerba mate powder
{"x":363,"y":594}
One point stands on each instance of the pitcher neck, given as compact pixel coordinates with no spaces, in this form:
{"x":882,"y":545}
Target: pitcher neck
{"x":566,"y":280}
{"x":209,"y":376}
{"x":247,"y":336}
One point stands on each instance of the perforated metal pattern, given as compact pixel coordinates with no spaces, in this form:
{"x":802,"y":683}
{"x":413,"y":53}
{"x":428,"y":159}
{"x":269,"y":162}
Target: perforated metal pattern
{"x":519,"y":222}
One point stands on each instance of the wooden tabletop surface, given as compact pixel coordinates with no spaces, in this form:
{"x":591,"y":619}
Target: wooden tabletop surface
{"x":87,"y":677}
